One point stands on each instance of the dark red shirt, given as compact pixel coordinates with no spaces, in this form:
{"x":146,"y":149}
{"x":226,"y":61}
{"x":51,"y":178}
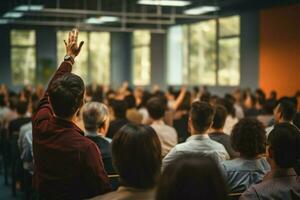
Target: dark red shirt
{"x":67,"y":165}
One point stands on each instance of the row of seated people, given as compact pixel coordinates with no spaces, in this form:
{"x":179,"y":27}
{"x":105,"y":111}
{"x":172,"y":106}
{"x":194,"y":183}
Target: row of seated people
{"x":70,"y":163}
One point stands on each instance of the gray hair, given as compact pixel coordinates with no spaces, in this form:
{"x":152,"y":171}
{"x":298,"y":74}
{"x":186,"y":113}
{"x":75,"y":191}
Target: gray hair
{"x":94,"y":115}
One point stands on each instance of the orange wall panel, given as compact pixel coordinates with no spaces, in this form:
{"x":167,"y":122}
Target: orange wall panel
{"x":280,"y":50}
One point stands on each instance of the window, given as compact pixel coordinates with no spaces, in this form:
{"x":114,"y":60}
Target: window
{"x":93,"y":63}
{"x":141,"y":57}
{"x":23,"y":56}
{"x":206,"y":52}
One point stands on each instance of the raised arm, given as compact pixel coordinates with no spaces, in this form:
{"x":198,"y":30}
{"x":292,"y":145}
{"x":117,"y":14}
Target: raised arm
{"x":44,"y":110}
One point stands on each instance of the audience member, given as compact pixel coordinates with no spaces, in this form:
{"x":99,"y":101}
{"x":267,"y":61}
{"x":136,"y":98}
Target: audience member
{"x":132,"y":114}
{"x":192,"y":176}
{"x":67,"y":164}
{"x":166,"y":134}
{"x":96,"y":122}
{"x":231,"y":118}
{"x":248,"y":138}
{"x":136,"y":155}
{"x":11,"y":114}
{"x":118,"y":110}
{"x":283,"y":151}
{"x":216,"y":131}
{"x":267,"y":114}
{"x":200,"y":121}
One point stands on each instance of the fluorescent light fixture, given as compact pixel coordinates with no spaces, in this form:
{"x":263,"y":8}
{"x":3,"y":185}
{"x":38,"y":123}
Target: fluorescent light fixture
{"x":3,"y":21}
{"x":29,"y":8}
{"x":177,"y":3}
{"x":101,"y":20}
{"x":201,"y":10}
{"x":13,"y":15}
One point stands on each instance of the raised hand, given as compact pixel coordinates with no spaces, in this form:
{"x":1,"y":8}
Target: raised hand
{"x":72,"y":48}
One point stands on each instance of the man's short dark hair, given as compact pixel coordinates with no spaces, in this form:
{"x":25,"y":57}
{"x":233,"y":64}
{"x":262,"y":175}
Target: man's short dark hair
{"x":202,"y":115}
{"x":284,"y":141}
{"x":220,"y":117}
{"x":248,"y":137}
{"x":287,"y":108}
{"x":130,"y":100}
{"x":136,"y":154}
{"x":66,"y":95}
{"x":22,"y":107}
{"x":119,"y":107}
{"x":155,"y":108}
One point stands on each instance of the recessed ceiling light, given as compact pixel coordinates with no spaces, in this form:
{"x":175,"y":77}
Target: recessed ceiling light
{"x":101,"y":20}
{"x":29,"y":8}
{"x":13,"y":15}
{"x":178,"y":3}
{"x":201,"y":10}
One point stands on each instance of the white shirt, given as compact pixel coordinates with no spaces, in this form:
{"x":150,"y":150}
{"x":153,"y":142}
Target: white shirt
{"x":167,"y":135}
{"x":197,"y":144}
{"x":229,"y":124}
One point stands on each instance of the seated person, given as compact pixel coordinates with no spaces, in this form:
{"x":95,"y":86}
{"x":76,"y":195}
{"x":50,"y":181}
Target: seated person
{"x":166,"y":134}
{"x":190,"y":177}
{"x":117,"y":109}
{"x":248,"y":138}
{"x":283,"y":151}
{"x":200,"y":120}
{"x":96,"y":122}
{"x":132,"y":114}
{"x":216,"y":131}
{"x":136,"y":153}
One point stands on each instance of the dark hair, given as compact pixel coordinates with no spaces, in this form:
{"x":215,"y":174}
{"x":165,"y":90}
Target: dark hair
{"x":155,"y":108}
{"x":34,"y":102}
{"x":248,"y":137}
{"x":202,"y":115}
{"x":119,"y":107}
{"x":13,"y":101}
{"x":287,"y":109}
{"x":130,"y":101}
{"x":136,"y":154}
{"x":269,"y":106}
{"x":228,"y":102}
{"x":190,"y":177}
{"x":284,"y":141}
{"x":220,"y":117}
{"x":205,"y":97}
{"x":22,"y":107}
{"x":146,"y":96}
{"x":2,"y":100}
{"x":66,"y":95}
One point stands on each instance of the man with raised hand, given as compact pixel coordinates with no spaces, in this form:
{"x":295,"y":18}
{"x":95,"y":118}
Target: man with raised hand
{"x":67,"y":165}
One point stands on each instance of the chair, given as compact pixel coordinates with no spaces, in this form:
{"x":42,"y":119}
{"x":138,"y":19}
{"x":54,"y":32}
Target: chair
{"x":234,"y":196}
{"x":114,"y":180}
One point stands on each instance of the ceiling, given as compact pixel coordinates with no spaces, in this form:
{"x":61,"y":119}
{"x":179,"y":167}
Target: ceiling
{"x":131,"y":15}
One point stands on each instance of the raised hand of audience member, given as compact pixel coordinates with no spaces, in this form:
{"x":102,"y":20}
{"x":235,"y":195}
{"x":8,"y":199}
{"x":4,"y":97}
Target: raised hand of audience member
{"x":72,"y":47}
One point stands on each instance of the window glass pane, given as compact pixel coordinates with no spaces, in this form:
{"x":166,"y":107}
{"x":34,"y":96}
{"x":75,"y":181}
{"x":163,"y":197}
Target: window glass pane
{"x":229,"y":26}
{"x":23,"y":65}
{"x":81,"y":62}
{"x":141,"y":58}
{"x":141,"y":37}
{"x":202,"y":53}
{"x":99,"y":44}
{"x":22,"y":37}
{"x":229,"y":69}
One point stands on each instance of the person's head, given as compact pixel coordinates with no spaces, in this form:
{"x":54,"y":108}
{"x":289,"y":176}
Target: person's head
{"x":22,"y":108}
{"x":95,"y":117}
{"x":205,"y":97}
{"x":156,"y":108}
{"x":190,"y":177}
{"x":269,"y":106}
{"x":118,"y":108}
{"x":283,"y":148}
{"x":34,"y":103}
{"x":2,"y":100}
{"x":249,"y":100}
{"x":201,"y":117}
{"x":186,"y":102}
{"x":130,"y":101}
{"x":13,"y":101}
{"x":66,"y":95}
{"x":285,"y":110}
{"x":136,"y":154}
{"x":228,"y":102}
{"x":248,"y":137}
{"x":219,"y":117}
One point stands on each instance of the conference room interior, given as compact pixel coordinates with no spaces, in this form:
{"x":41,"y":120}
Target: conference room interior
{"x":224,"y":53}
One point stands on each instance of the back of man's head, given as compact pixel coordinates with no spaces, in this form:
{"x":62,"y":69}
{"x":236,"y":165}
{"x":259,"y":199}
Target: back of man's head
{"x":156,"y":108}
{"x":130,"y":100}
{"x":220,"y":117}
{"x":119,"y":108}
{"x":284,"y":141}
{"x":287,"y":109}
{"x":201,"y":115}
{"x":22,"y":107}
{"x":66,"y":95}
{"x":94,"y":115}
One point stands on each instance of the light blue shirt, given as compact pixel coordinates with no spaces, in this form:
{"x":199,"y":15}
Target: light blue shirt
{"x":197,"y":144}
{"x":241,"y":173}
